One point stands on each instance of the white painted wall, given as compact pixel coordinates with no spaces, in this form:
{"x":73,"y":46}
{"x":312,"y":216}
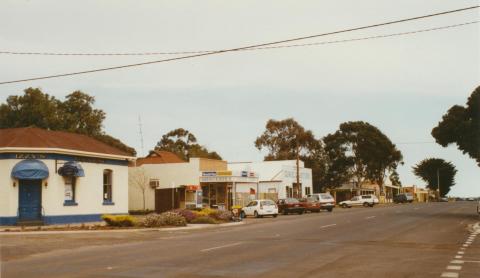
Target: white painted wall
{"x":281,"y":172}
{"x":88,"y":190}
{"x":169,"y":175}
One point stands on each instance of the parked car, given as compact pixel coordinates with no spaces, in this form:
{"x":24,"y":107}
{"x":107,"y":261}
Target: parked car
{"x":325,"y":199}
{"x":403,"y":198}
{"x":310,"y":204}
{"x":443,"y":199}
{"x":362,"y":200}
{"x":290,"y":205}
{"x":260,"y":208}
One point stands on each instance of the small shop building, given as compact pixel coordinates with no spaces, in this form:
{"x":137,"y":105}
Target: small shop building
{"x":54,"y":177}
{"x":277,"y":179}
{"x":351,"y":189}
{"x":161,"y":181}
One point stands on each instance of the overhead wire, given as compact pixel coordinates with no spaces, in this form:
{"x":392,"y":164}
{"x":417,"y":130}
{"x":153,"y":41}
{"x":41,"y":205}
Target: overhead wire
{"x":9,"y":52}
{"x":240,"y":48}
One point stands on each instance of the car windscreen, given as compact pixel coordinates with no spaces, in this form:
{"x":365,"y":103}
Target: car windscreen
{"x":326,"y":196}
{"x":267,"y":203}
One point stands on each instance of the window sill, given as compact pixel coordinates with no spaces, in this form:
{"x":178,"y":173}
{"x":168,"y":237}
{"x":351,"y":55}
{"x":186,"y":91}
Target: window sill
{"x":108,"y":203}
{"x":70,"y":203}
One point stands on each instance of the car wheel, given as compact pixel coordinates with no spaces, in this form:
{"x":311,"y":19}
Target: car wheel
{"x":285,"y":212}
{"x":317,"y":211}
{"x":344,"y":206}
{"x":366,"y":204}
{"x":330,"y":209}
{"x":301,"y":212}
{"x":275,"y":215}
{"x":256,"y":214}
{"x":243,"y":215}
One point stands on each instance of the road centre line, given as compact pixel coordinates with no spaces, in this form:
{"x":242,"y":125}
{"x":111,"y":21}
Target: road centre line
{"x":370,"y":217}
{"x":454,"y":267}
{"x":449,"y":274}
{"x":219,"y":247}
{"x":326,"y":226}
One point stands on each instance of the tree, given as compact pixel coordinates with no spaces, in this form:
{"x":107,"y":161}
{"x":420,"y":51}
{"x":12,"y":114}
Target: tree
{"x":184,"y":144}
{"x":364,"y":150}
{"x":287,"y":139}
{"x":433,"y":170}
{"x":138,"y":178}
{"x":76,"y":114}
{"x":461,"y":125}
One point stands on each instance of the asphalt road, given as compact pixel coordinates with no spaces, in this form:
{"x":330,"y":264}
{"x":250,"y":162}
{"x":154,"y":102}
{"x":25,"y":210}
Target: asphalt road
{"x":415,"y":240}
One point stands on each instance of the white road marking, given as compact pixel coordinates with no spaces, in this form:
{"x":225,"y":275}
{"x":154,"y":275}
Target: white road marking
{"x":457,"y":262}
{"x":458,"y":257}
{"x":326,"y":226}
{"x":454,"y":267}
{"x":477,"y":262}
{"x":370,"y":217}
{"x":466,"y":245}
{"x":449,"y":274}
{"x":416,"y":208}
{"x":109,"y":268}
{"x":219,"y":247}
{"x":461,"y":252}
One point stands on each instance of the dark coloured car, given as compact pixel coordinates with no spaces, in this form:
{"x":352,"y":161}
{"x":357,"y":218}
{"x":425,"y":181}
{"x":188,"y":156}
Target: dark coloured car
{"x":403,"y":198}
{"x":310,"y":204}
{"x":290,"y":205}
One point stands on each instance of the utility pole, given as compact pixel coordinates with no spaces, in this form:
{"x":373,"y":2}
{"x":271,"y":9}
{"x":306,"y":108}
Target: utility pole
{"x":299,"y":189}
{"x":438,"y":182}
{"x":141,"y":134}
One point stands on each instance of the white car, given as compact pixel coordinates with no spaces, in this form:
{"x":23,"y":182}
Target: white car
{"x":260,"y":208}
{"x":362,"y":200}
{"x":325,"y":199}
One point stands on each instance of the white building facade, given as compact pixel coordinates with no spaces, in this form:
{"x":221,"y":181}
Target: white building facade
{"x":277,"y":178}
{"x":52,"y":177}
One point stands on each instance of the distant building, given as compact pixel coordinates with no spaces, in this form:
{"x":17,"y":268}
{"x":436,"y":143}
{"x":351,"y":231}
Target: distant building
{"x":277,"y":179}
{"x":351,"y":189}
{"x":419,"y":194}
{"x":59,"y":177}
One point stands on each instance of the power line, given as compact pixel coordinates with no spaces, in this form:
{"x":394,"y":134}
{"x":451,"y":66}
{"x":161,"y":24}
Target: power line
{"x":5,"y":52}
{"x":240,"y":48}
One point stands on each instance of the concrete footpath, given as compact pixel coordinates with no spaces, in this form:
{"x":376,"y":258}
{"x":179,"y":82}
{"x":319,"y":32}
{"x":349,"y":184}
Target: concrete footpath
{"x":37,"y":231}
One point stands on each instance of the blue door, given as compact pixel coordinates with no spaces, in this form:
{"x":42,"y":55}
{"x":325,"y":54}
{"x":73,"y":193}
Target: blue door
{"x":30,"y":200}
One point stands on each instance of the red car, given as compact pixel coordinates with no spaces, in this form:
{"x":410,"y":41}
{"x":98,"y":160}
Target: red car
{"x":290,"y":205}
{"x":310,"y":204}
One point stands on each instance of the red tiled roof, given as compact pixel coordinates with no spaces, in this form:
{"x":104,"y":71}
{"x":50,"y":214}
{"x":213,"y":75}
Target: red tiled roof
{"x":159,"y":157}
{"x":32,"y":137}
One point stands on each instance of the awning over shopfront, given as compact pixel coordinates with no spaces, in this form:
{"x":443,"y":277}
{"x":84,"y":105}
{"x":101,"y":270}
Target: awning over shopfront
{"x":71,"y":169}
{"x":30,"y":169}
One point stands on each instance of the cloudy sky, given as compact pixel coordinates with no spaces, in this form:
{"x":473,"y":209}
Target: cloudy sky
{"x":402,"y":84}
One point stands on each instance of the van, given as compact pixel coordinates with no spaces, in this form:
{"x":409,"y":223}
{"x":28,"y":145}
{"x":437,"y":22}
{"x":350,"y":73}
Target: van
{"x":325,"y":199}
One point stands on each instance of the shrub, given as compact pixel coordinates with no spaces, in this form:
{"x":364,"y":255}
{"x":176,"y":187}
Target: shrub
{"x":119,"y":220}
{"x":200,"y":213}
{"x":187,"y":214}
{"x":168,"y":218}
{"x":204,"y":220}
{"x":222,"y":215}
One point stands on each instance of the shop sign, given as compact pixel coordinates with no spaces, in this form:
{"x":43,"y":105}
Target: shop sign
{"x":30,"y":156}
{"x":192,"y":187}
{"x":224,"y":173}
{"x":209,"y":174}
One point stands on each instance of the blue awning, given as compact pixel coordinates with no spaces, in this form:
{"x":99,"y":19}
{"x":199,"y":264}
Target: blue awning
{"x":30,"y":169}
{"x":71,"y":169}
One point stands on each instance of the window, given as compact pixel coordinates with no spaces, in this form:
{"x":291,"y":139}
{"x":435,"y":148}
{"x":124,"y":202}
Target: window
{"x":107,"y":187}
{"x":154,"y":183}
{"x":69,"y":195}
{"x":289,"y":191}
{"x":307,"y":191}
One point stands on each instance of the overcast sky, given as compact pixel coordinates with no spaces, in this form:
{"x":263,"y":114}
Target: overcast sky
{"x":403,"y":85}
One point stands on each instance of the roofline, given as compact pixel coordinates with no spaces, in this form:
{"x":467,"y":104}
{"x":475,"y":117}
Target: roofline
{"x":66,"y":151}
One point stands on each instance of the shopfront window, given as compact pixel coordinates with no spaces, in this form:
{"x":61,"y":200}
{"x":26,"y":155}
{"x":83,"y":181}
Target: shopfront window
{"x":69,"y":196}
{"x":307,"y":191}
{"x":289,"y":192}
{"x":107,"y":186}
